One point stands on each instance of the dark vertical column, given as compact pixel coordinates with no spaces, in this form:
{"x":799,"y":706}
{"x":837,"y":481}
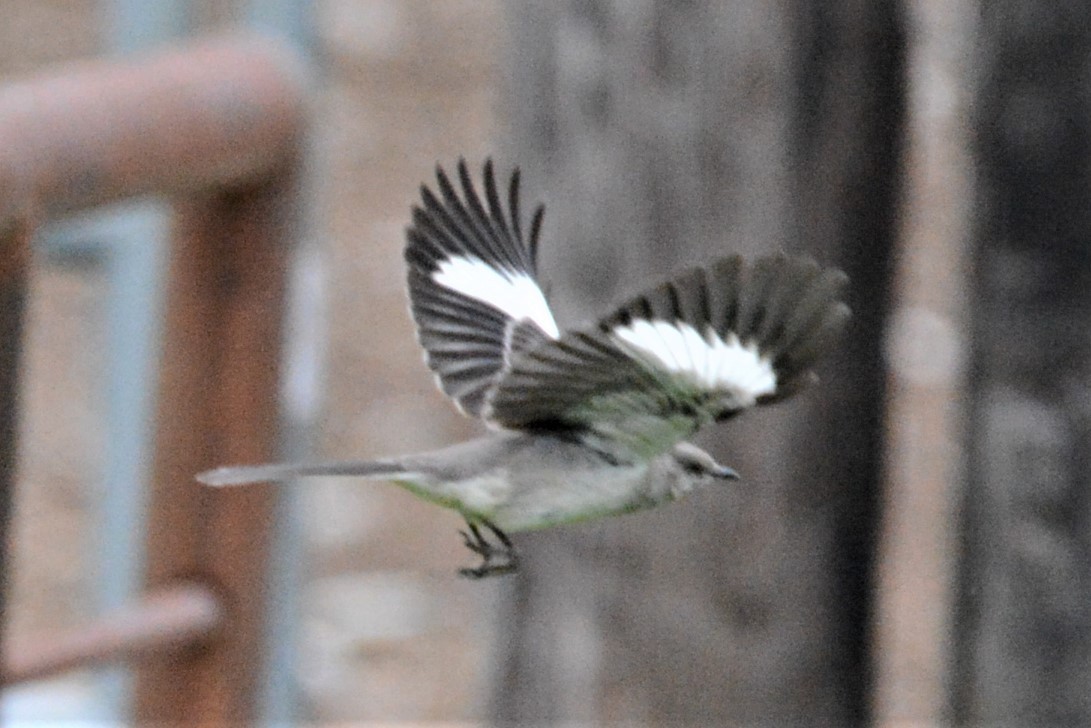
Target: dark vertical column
{"x":1024,"y":624}
{"x":848,"y":138}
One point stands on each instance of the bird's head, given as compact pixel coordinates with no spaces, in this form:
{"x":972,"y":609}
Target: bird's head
{"x":694,"y":468}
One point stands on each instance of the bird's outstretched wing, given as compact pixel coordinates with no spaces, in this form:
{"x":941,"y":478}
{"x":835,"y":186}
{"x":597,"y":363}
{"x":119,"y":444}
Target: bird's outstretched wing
{"x":702,"y":347}
{"x":473,"y":288}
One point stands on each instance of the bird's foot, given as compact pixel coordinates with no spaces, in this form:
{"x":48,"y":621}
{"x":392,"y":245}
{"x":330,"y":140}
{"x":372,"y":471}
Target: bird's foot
{"x":489,"y":553}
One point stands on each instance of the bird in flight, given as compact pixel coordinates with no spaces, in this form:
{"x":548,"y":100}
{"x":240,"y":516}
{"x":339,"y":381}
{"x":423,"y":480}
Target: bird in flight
{"x":590,"y":421}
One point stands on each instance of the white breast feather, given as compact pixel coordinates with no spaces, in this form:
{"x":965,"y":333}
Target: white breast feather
{"x":710,"y":361}
{"x":513,"y":293}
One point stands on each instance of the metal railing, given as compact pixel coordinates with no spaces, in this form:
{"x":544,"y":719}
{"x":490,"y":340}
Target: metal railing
{"x":218,"y":128}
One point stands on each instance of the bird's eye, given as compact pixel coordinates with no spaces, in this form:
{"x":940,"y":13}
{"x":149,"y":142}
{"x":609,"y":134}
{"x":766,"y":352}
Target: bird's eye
{"x":693,"y":468}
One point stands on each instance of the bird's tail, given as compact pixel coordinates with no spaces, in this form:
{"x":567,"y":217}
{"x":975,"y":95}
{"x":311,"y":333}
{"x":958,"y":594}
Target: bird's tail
{"x":244,"y":474}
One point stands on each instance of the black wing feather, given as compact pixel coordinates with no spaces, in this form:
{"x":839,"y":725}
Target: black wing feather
{"x":468,"y":342}
{"x":787,"y":310}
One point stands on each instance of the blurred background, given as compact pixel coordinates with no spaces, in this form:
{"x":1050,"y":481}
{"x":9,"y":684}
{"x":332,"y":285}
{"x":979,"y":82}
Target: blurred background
{"x":910,"y":541}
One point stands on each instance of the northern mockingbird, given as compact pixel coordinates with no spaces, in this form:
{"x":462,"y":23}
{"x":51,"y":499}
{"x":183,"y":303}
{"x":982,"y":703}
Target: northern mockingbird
{"x":591,"y":421}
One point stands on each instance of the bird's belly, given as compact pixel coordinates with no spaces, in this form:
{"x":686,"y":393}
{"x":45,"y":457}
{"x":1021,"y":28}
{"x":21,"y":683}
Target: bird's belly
{"x":540,"y":500}
{"x":482,"y":495}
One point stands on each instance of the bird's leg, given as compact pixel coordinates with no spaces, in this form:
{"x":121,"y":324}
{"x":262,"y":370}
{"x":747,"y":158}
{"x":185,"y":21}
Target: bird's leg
{"x":476,"y":542}
{"x":509,"y":548}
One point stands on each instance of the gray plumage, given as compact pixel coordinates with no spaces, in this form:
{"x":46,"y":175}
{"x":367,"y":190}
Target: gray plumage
{"x":592,"y":421}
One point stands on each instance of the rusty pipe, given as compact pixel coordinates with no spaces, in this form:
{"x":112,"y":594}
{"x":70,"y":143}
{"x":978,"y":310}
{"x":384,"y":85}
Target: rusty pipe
{"x":172,"y":618}
{"x":212,"y":115}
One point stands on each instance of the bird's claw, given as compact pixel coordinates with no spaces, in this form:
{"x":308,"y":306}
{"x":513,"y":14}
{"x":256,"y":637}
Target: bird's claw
{"x":489,"y":569}
{"x":478,"y":545}
{"x":476,"y":542}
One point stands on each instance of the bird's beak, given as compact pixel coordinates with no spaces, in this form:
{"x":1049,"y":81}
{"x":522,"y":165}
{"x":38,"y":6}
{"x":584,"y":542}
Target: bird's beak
{"x":725,"y":473}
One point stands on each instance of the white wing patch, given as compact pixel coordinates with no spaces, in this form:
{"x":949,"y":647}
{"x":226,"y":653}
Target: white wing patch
{"x":712,"y":362}
{"x":511,"y":292}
